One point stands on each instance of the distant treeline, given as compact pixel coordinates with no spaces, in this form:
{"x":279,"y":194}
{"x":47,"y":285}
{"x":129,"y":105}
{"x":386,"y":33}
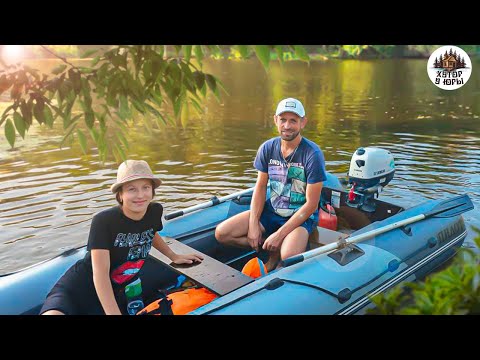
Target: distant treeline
{"x":314,"y":51}
{"x":382,"y":51}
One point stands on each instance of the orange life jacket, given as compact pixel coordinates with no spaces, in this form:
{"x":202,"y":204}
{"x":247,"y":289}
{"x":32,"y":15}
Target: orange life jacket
{"x":179,"y":303}
{"x":185,"y":301}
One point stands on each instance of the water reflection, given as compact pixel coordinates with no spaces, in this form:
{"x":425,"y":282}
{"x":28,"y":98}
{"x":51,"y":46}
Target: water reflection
{"x":49,"y":195}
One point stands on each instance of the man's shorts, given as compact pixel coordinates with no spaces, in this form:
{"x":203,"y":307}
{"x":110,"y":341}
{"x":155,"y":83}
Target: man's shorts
{"x":272,"y":222}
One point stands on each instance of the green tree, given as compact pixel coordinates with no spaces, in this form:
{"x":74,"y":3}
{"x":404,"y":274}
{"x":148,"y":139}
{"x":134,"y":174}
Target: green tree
{"x":99,"y":100}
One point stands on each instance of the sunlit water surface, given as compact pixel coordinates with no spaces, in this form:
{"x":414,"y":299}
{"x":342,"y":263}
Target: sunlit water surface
{"x":48,"y":195}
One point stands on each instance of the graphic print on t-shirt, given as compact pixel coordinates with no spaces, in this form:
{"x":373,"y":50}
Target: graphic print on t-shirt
{"x":126,"y":271}
{"x":140,"y":245}
{"x":287,"y":187}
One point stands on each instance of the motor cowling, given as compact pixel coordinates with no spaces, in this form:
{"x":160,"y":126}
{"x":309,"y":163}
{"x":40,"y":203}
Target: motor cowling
{"x":371,"y":166}
{"x":371,"y":169}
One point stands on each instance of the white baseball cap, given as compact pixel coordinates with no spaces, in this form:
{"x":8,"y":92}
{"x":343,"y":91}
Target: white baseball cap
{"x":290,"y":105}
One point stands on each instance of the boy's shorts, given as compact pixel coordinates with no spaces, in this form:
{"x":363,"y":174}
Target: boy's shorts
{"x":68,"y":303}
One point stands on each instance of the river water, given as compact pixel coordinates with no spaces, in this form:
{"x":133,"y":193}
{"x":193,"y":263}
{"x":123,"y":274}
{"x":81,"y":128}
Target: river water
{"x":48,"y":194}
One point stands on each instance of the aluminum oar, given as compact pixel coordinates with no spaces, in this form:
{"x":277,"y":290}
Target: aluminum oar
{"x":447,"y":208}
{"x":212,"y":202}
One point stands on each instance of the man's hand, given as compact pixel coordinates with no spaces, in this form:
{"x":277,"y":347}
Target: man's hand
{"x":273,"y":242}
{"x":254,"y":236}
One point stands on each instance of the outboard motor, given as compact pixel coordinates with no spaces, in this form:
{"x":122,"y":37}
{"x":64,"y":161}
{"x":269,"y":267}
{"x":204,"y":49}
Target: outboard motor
{"x":371,"y":169}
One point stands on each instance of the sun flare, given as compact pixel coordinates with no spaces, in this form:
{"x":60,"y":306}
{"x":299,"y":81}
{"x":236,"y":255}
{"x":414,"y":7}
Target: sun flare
{"x":13,"y":53}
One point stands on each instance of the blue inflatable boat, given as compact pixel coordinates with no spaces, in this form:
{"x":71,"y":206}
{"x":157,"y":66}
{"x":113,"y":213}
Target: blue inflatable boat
{"x":374,"y":246}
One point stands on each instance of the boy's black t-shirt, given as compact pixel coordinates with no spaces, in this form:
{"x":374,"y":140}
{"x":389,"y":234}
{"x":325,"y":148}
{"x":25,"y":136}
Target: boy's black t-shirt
{"x":129,"y":242}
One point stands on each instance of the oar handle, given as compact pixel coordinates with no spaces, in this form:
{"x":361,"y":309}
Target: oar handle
{"x":174,"y":215}
{"x":292,"y":260}
{"x":214,"y":201}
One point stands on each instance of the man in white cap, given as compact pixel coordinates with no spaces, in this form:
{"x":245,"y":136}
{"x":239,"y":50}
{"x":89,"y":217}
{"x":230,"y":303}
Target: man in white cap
{"x":295,"y":167}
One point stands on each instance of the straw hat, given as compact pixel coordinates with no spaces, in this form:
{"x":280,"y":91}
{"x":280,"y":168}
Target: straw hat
{"x":131,"y":170}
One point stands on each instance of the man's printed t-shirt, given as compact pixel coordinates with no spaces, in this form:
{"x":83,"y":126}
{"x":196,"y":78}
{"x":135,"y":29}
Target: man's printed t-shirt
{"x":289,"y":177}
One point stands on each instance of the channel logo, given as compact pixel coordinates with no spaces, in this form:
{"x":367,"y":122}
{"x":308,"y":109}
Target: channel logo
{"x":449,"y":67}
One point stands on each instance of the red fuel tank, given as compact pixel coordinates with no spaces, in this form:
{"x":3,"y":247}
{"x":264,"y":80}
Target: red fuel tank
{"x":327,"y":219}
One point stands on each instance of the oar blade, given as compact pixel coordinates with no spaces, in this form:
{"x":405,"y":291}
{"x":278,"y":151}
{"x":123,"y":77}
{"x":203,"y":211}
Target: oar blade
{"x":451,"y":207}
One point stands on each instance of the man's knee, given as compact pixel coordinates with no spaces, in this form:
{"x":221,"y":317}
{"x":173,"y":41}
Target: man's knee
{"x":221,"y":233}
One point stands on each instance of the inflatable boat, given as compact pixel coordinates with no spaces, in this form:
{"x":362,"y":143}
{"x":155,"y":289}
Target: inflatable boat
{"x":361,"y":247}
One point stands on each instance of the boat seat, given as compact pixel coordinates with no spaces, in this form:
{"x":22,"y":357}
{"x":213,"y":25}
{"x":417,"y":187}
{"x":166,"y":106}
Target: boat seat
{"x":210,"y":273}
{"x":321,"y":236}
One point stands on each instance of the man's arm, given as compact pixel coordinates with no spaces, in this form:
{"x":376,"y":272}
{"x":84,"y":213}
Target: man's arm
{"x":258,"y":198}
{"x":254,"y":234}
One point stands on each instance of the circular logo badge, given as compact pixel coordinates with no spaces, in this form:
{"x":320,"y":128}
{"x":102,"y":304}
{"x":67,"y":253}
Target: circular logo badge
{"x":449,"y":67}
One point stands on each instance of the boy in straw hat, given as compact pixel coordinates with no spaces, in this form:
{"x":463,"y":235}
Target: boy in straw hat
{"x":120,"y":240}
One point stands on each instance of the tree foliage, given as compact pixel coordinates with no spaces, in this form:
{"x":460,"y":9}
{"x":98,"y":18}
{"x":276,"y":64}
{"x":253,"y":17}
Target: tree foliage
{"x":99,"y":100}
